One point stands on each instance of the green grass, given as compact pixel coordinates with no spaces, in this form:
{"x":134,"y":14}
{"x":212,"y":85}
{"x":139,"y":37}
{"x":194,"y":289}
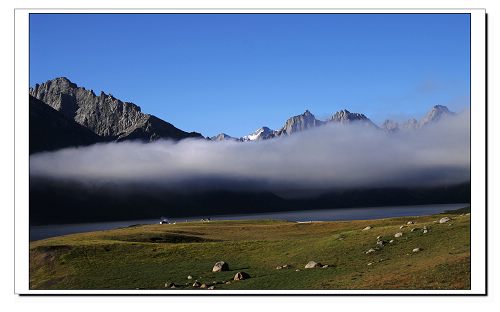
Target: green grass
{"x":147,"y":256}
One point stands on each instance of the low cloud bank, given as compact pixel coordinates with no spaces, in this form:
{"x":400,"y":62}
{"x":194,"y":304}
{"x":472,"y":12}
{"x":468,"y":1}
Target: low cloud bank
{"x":331,"y":156}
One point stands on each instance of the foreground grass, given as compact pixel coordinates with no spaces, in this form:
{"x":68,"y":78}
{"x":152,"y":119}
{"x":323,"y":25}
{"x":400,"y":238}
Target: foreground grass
{"x":147,"y":256}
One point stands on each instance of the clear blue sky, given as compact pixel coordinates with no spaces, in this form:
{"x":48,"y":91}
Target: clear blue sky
{"x":215,"y":73}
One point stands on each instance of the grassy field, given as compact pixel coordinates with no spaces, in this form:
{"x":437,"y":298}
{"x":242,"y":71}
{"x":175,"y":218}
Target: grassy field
{"x":148,"y":256}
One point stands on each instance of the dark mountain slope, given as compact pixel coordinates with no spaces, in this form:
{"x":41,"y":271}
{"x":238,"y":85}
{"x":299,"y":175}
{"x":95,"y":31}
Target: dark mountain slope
{"x":51,"y":130}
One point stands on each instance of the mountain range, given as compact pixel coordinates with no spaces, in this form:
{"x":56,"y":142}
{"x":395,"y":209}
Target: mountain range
{"x":307,"y":121}
{"x":62,"y":114}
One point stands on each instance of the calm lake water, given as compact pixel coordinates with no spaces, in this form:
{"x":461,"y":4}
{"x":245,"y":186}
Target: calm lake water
{"x":340,"y":214}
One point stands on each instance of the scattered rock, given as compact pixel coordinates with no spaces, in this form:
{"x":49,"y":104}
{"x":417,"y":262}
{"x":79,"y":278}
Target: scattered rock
{"x":228,"y":282}
{"x":312,"y":264}
{"x":391,"y":241}
{"x":190,"y":277}
{"x":403,"y":226}
{"x":424,"y":228}
{"x":444,"y":220}
{"x":325,"y":266}
{"x":369,"y":263}
{"x":297,"y":270}
{"x":220,"y":266}
{"x":286,"y":266}
{"x":173,"y":286}
{"x":379,"y":237}
{"x":196,"y":284}
{"x":203,"y":285}
{"x":279,"y":267}
{"x":424,"y":231}
{"x":381,"y":243}
{"x":417,"y":249}
{"x":367,"y":228}
{"x":169,"y":285}
{"x":410,"y":222}
{"x":414,"y":229}
{"x":211,"y":287}
{"x":467,"y":214}
{"x":241,"y":276}
{"x":399,"y":234}
{"x":371,"y":250}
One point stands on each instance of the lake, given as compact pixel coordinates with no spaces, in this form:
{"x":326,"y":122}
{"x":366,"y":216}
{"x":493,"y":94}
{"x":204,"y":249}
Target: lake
{"x":339,"y":214}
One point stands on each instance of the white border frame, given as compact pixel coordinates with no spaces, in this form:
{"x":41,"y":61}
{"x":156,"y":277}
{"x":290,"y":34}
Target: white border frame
{"x":478,"y":154}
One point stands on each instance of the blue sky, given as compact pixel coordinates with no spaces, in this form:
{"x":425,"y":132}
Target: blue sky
{"x":234,"y":73}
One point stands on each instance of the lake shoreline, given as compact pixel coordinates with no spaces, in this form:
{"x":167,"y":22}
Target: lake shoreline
{"x":38,"y":232}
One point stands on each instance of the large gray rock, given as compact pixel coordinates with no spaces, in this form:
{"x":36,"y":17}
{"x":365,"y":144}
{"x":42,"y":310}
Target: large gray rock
{"x":220,"y":266}
{"x":104,"y":114}
{"x":313,"y":264}
{"x":241,"y":276}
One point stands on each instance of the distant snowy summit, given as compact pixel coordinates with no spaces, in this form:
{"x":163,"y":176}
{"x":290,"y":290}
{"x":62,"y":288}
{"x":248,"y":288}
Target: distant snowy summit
{"x":307,"y":121}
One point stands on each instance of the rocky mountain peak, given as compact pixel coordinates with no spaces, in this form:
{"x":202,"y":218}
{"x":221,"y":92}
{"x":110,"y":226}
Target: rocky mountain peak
{"x":390,"y":125}
{"x":104,"y":115}
{"x":299,"y":123}
{"x":435,"y":114}
{"x":262,"y":133}
{"x":345,"y":116}
{"x":223,"y":137}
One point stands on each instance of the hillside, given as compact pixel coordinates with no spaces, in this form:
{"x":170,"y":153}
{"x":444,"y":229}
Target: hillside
{"x":152,"y":256}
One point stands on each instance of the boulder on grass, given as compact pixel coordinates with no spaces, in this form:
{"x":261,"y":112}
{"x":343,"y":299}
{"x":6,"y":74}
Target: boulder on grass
{"x":241,"y":276}
{"x":444,"y":220}
{"x":313,"y":264}
{"x":220,"y":266}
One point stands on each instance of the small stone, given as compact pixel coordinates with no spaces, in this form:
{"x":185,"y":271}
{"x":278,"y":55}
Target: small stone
{"x":424,"y":231}
{"x":391,"y":241}
{"x":410,"y":222}
{"x":279,"y":267}
{"x":220,"y":266}
{"x":211,"y":287}
{"x":379,"y":237}
{"x":297,"y":270}
{"x":414,"y":229}
{"x":381,"y":243}
{"x":196,"y":284}
{"x":399,"y":234}
{"x":190,"y":277}
{"x":325,"y":266}
{"x":367,"y":228}
{"x":369,"y":263}
{"x":424,"y":228}
{"x":203,"y":285}
{"x":169,"y":285}
{"x":286,"y":266}
{"x":312,"y":264}
{"x":417,"y":249}
{"x":467,"y":214}
{"x":444,"y":220}
{"x":371,"y":250}
{"x":173,"y":286}
{"x":228,"y":282}
{"x":241,"y":276}
{"x":403,"y":226}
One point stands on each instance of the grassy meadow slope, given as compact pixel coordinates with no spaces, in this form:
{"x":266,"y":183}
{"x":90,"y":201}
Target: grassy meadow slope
{"x":148,"y":256}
